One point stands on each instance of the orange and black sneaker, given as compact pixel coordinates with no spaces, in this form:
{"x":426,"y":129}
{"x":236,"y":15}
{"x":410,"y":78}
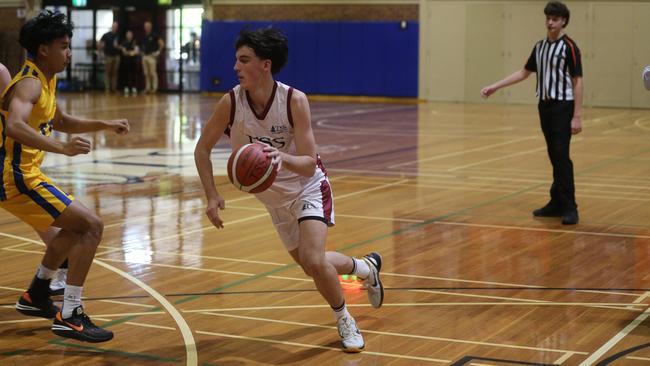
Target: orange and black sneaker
{"x":79,"y":326}
{"x":36,"y":306}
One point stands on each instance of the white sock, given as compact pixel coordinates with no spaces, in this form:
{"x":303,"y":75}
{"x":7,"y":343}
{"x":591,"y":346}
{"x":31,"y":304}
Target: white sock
{"x":44,"y":273}
{"x":341,"y":312}
{"x":71,"y":300}
{"x":360,"y":269}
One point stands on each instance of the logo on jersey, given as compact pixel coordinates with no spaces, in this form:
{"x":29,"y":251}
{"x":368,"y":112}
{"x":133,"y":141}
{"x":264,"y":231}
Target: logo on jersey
{"x":279,"y":129}
{"x":276,"y":142}
{"x":46,"y":128}
{"x":308,"y":206}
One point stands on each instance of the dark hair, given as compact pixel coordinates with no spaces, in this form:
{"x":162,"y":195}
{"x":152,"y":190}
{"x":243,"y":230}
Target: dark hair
{"x":556,"y":8}
{"x":43,"y":29}
{"x":268,"y":43}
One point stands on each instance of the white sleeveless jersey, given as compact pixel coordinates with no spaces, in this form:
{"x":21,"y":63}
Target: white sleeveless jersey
{"x":273,"y":127}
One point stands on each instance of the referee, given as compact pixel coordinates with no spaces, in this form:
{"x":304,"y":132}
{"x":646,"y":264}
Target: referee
{"x":556,"y":60}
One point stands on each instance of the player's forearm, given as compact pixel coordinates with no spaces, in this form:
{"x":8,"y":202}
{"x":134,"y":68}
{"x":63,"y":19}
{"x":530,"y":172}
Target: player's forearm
{"x":71,"y":124}
{"x":25,"y":135}
{"x":300,"y":164}
{"x":204,"y":167}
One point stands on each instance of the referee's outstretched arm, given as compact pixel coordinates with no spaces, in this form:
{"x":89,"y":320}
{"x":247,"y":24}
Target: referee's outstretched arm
{"x":513,"y":78}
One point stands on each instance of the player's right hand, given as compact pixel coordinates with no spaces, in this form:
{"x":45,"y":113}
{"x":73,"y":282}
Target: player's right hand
{"x":487,"y":91}
{"x":77,"y":145}
{"x":214,"y":205}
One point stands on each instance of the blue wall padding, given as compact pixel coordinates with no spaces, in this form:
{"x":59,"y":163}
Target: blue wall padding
{"x":336,"y":58}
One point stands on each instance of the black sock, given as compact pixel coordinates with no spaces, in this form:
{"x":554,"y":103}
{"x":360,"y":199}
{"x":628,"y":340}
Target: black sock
{"x":64,"y":264}
{"x":354,"y":266}
{"x":39,"y":288}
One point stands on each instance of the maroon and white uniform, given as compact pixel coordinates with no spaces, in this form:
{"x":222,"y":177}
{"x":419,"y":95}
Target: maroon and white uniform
{"x":292,"y":198}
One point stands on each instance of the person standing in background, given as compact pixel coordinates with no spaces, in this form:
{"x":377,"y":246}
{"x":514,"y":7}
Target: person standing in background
{"x":109,"y":44}
{"x":130,"y":52}
{"x":151,"y":48}
{"x":556,"y":60}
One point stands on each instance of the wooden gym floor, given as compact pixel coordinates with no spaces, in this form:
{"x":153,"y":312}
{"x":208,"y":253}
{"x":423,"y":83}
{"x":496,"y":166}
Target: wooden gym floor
{"x":443,"y":191}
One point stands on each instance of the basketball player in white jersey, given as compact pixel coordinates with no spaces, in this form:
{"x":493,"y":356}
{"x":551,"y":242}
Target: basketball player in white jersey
{"x":300,"y":202}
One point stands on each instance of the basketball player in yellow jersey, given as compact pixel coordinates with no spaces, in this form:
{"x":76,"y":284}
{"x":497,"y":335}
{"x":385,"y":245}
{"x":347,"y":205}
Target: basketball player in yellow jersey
{"x":70,"y":230}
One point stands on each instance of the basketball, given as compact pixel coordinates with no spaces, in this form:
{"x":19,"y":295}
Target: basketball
{"x":250,"y":169}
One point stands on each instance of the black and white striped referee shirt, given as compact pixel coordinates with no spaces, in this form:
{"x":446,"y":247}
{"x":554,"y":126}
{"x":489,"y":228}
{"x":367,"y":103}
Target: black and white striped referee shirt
{"x":555,"y":64}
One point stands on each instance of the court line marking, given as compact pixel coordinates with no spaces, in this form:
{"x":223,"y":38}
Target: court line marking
{"x":383,"y":273}
{"x":565,"y":357}
{"x":449,"y":279}
{"x":615,"y":339}
{"x":461,"y":152}
{"x":151,"y":326}
{"x":404,"y":335}
{"x":195,"y":208}
{"x":186,"y":332}
{"x":287,"y":343}
{"x":503,"y":157}
{"x":621,"y":306}
{"x":638,"y":358}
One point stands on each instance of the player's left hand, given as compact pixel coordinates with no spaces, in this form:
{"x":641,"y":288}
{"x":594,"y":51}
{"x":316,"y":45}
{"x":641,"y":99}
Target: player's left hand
{"x":275,"y":155}
{"x":119,"y":126}
{"x":576,"y":125}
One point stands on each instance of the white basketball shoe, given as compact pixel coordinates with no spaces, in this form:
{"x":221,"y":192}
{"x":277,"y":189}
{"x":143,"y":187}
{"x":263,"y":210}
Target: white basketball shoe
{"x":373,"y":282}
{"x":350,"y":335}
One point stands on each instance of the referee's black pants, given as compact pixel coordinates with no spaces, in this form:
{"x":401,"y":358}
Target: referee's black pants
{"x":555,"y":117}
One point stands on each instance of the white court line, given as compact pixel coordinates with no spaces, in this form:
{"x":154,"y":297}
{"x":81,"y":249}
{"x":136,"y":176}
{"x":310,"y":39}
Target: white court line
{"x":615,"y":339}
{"x":403,"y":335}
{"x":186,"y":332}
{"x":321,"y":347}
{"x":462,"y":152}
{"x":621,"y":306}
{"x":576,"y":232}
{"x":565,"y":357}
{"x":502,"y":157}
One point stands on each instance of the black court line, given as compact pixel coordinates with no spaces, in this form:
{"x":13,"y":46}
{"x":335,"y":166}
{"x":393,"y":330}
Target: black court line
{"x":621,"y":354}
{"x":256,"y":292}
{"x":467,"y":359}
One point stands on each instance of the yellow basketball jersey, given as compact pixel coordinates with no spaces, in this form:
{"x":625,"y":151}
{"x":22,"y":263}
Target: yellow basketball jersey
{"x":21,"y":164}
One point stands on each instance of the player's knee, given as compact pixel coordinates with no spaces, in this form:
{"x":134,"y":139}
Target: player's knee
{"x":312,"y":266}
{"x":94,"y":227}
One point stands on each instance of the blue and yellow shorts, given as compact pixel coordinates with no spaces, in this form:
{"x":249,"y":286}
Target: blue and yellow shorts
{"x":40,"y":206}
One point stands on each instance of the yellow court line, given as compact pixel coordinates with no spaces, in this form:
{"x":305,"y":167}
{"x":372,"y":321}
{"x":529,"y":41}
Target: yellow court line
{"x":321,"y":347}
{"x":403,"y":335}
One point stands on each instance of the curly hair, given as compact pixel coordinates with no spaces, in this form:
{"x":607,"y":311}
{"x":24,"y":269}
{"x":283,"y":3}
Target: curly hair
{"x":556,"y":8}
{"x":43,"y":29}
{"x":268,"y":43}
